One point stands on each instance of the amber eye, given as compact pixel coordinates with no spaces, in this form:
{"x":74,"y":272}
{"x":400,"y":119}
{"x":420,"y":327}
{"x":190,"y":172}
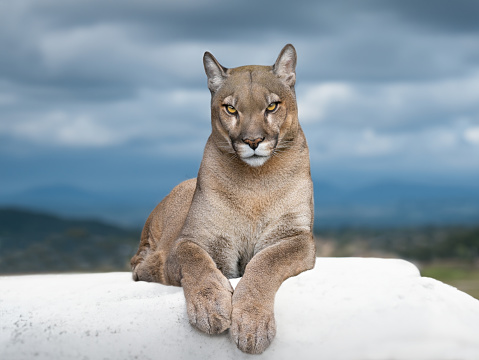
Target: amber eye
{"x":272,"y":107}
{"x":231,"y":110}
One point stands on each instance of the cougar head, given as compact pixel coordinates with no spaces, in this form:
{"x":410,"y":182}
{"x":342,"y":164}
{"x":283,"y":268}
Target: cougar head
{"x":253,"y":108}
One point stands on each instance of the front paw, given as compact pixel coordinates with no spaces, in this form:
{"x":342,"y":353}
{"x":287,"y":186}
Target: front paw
{"x":252,"y":328}
{"x":209,"y":305}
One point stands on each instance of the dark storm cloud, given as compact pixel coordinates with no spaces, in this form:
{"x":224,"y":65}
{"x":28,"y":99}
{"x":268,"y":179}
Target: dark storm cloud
{"x":175,"y":20}
{"x":459,"y":16}
{"x":377,"y":80}
{"x":336,"y":40}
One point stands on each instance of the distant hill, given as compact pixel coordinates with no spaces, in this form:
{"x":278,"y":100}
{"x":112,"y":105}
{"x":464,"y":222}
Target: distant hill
{"x":388,"y":203}
{"x":122,"y":208}
{"x":396,"y":204}
{"x":37,"y":242}
{"x":389,"y":192}
{"x":28,"y":224}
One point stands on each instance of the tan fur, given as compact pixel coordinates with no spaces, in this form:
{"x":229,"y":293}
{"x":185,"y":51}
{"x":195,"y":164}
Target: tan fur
{"x":249,"y":216}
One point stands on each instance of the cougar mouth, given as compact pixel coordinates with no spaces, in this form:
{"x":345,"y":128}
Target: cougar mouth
{"x":253,"y":155}
{"x":255,"y":160}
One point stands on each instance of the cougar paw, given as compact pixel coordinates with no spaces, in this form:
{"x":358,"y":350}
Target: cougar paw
{"x":209,"y":307}
{"x":252,"y":329}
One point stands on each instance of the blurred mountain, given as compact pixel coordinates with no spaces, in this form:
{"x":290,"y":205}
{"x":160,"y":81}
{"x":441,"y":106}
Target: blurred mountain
{"x":389,"y":203}
{"x":396,"y":204}
{"x":128,"y":209}
{"x":26,"y":225}
{"x":387,"y":192}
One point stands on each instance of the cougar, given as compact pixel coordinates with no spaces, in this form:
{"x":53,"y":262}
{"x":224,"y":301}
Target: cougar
{"x":248,"y":214}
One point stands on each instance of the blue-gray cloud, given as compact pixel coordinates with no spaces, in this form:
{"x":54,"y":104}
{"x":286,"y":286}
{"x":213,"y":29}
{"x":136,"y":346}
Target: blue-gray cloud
{"x":383,"y":87}
{"x":441,"y":15}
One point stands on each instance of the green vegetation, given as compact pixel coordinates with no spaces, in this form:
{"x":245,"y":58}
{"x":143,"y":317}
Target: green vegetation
{"x":463,"y":277}
{"x":424,"y":244}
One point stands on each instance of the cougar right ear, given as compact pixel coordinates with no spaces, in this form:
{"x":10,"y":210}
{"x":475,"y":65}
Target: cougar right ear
{"x":214,"y":71}
{"x":285,"y":65}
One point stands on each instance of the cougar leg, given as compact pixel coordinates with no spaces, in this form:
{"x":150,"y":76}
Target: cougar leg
{"x":207,"y":291}
{"x":252,"y":320}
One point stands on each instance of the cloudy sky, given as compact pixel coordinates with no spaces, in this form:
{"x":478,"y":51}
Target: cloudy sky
{"x":111,"y":95}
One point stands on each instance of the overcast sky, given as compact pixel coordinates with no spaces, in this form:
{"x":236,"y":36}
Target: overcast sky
{"x":111,"y":95}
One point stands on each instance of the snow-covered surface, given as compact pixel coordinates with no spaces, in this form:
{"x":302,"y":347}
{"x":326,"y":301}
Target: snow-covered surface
{"x":346,"y":308}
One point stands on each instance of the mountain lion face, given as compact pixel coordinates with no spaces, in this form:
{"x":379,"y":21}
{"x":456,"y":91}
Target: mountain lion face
{"x":253,"y":108}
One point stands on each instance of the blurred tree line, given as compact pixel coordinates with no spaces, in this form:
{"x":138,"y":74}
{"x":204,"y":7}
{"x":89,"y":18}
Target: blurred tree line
{"x":32,"y":242}
{"x":424,"y":244}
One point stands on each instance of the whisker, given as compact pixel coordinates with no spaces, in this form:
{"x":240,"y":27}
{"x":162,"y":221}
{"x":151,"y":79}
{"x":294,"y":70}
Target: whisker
{"x":285,"y":143}
{"x":227,"y":149}
{"x":277,"y":153}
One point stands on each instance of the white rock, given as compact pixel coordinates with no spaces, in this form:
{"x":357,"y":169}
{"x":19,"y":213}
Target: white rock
{"x":346,"y":308}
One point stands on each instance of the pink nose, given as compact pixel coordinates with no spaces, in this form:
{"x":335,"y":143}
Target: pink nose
{"x":253,"y":144}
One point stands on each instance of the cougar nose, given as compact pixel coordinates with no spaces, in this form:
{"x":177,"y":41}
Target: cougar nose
{"x":253,"y":144}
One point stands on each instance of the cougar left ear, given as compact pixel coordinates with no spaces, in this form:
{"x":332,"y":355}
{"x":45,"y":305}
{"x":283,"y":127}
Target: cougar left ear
{"x":285,"y":65}
{"x":214,"y":71}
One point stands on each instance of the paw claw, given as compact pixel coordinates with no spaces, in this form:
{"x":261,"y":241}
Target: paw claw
{"x":209,"y":308}
{"x":252,"y":331}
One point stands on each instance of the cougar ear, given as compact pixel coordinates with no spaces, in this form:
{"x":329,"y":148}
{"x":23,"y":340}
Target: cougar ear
{"x":215,"y":73}
{"x":285,"y":65}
